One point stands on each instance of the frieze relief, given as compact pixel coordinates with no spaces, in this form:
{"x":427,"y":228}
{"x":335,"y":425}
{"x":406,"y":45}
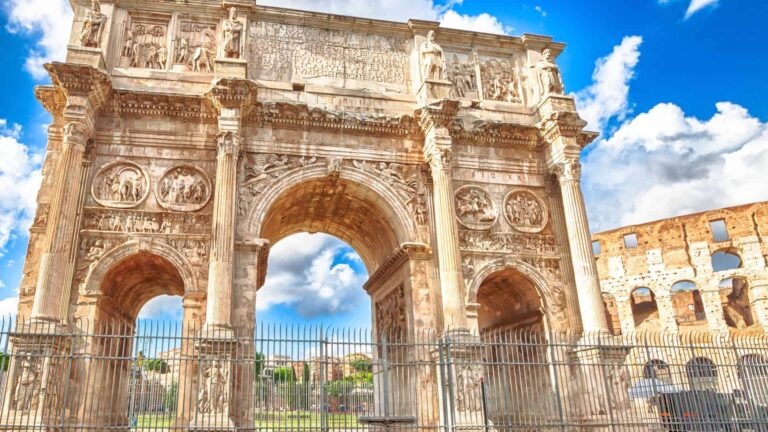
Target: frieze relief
{"x":462,"y":73}
{"x":525,"y":211}
{"x":195,"y":47}
{"x":120,"y":184}
{"x":145,"y":44}
{"x":285,"y":52}
{"x":475,"y":208}
{"x":133,"y":222}
{"x":514,"y":243}
{"x":184,"y":188}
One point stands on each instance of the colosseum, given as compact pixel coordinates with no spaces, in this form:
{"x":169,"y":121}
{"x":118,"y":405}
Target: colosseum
{"x":700,"y":272}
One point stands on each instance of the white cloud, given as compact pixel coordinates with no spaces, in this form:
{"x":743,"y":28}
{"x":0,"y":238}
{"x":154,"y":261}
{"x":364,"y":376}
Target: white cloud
{"x":400,"y":10}
{"x":163,"y":307}
{"x":49,"y":21}
{"x":540,"y":10}
{"x":664,"y":163}
{"x":9,"y":307}
{"x":307,"y":274}
{"x":607,"y":97}
{"x":19,"y":182}
{"x":697,"y":5}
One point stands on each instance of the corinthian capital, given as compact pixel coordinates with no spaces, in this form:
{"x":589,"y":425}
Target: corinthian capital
{"x":439,"y":115}
{"x":81,"y":82}
{"x":233,"y":94}
{"x":567,"y":171}
{"x":76,"y":134}
{"x":228,"y":143}
{"x":439,"y":158}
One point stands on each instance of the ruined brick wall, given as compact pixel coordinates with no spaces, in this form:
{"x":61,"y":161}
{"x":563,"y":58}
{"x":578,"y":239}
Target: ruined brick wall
{"x":702,"y":276}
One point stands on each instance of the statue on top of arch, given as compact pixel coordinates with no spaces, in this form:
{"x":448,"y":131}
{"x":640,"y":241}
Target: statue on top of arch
{"x":232,"y":44}
{"x":548,"y":73}
{"x":93,"y":26}
{"x":432,"y":59}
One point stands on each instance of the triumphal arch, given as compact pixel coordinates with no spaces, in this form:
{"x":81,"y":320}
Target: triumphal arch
{"x":188,"y":137}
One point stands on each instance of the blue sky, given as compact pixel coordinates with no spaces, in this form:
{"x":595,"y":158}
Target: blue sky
{"x":676,"y":87}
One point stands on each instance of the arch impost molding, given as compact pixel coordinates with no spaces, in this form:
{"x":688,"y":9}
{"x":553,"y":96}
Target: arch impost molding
{"x":260,"y":249}
{"x":406,"y":252}
{"x":133,"y":247}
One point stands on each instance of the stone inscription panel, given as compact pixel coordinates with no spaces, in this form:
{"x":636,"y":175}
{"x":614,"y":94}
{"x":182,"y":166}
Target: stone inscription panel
{"x":284,"y":52}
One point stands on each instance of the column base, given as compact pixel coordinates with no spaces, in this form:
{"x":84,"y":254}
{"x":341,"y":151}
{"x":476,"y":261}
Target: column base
{"x":213,"y":423}
{"x":433,"y":90}
{"x":216,"y":349}
{"x":231,"y":68}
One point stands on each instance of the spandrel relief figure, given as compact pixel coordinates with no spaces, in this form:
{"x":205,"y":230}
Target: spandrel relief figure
{"x":232,"y":43}
{"x":27,"y":393}
{"x":432,"y":59}
{"x":550,"y":81}
{"x":93,"y":26}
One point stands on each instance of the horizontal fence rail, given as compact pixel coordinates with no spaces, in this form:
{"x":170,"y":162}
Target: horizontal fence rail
{"x":154,"y":376}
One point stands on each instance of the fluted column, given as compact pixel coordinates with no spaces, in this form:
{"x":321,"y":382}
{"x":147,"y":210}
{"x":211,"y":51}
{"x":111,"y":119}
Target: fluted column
{"x":84,"y":90}
{"x":584,"y":266}
{"x":232,"y":98}
{"x":439,"y":154}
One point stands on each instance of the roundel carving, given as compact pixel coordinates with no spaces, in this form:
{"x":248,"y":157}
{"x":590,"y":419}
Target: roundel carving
{"x":183,"y":188}
{"x":120,"y":184}
{"x":475,"y":208}
{"x":525,"y":211}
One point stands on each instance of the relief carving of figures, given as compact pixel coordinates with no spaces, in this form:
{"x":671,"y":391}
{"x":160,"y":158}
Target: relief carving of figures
{"x":41,"y":217}
{"x":27,"y":393}
{"x":212,"y":398}
{"x":432,"y":59}
{"x":184,"y":188}
{"x":90,"y":252}
{"x":145,"y":46}
{"x":196,"y":251}
{"x":475,"y":208}
{"x":232,"y":43}
{"x":469,"y":378}
{"x":196,"y":47}
{"x":500,"y":81}
{"x":145,"y":222}
{"x":93,"y":26}
{"x":468,"y":269}
{"x":549,"y":79}
{"x":120,"y":185}
{"x":525,"y":211}
{"x":390,"y":313}
{"x":516,"y":243}
{"x":463,"y":77}
{"x":260,"y":170}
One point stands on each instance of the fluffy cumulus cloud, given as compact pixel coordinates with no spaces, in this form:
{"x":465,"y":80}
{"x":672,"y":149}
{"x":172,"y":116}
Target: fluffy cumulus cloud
{"x":607,"y":97}
{"x":19,"y":181}
{"x":663,"y":163}
{"x":163,"y":307}
{"x":49,"y":21}
{"x":8,"y":307}
{"x":315,"y":274}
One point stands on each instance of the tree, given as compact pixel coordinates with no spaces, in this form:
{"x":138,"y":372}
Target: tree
{"x":362,"y":365}
{"x":284,"y":374}
{"x":156,"y":365}
{"x":258,"y":365}
{"x":306,"y":373}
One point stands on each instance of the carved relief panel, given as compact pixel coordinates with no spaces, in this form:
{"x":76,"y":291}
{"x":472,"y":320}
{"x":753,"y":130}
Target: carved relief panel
{"x":501,"y":79}
{"x":462,"y":72}
{"x":390,"y":313}
{"x":525,"y":211}
{"x":184,"y":188}
{"x":195,"y":46}
{"x":120,"y":184}
{"x":145,"y":44}
{"x":284,"y":52}
{"x":475,"y":208}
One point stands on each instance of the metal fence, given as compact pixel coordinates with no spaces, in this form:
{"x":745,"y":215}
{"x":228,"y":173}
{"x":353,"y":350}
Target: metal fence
{"x":165,"y":376}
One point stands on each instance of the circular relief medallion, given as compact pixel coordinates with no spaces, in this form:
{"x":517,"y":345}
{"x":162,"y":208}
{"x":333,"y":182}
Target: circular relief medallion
{"x":120,"y":184}
{"x":183,"y":188}
{"x":475,"y":208}
{"x":525,"y":211}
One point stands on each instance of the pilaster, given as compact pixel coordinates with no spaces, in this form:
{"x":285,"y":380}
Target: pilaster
{"x":666,"y":312}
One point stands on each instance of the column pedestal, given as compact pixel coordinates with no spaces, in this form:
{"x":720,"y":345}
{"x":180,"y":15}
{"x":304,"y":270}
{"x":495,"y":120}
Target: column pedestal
{"x":216,"y":352}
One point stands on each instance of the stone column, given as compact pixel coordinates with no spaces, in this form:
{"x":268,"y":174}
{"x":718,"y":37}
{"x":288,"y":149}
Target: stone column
{"x":438,"y":152}
{"x":85,"y":90}
{"x":231,"y":98}
{"x":562,"y":131}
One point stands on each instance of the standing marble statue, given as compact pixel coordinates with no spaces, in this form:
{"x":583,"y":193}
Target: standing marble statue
{"x":550,"y":81}
{"x":233,"y":36}
{"x":432,"y":59}
{"x":93,"y":26}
